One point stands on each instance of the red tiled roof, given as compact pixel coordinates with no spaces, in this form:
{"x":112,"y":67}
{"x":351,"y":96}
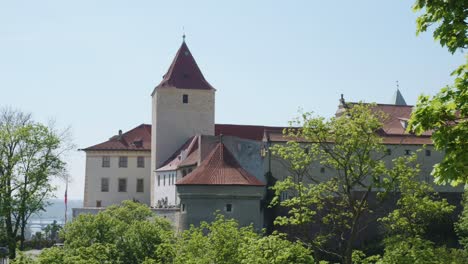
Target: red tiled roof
{"x":138,"y":138}
{"x":184,"y":72}
{"x":397,"y":116}
{"x":393,"y":131}
{"x":220,"y":168}
{"x":244,"y":131}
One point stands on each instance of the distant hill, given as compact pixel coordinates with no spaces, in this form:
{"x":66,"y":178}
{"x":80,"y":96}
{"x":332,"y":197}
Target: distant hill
{"x":56,"y":209}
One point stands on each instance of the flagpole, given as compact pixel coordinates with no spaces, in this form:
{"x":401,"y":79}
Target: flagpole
{"x":66,"y":198}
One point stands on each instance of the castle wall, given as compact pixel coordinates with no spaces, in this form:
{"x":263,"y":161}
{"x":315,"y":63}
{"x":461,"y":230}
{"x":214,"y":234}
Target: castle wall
{"x":95,"y":172}
{"x":279,"y":167}
{"x":199,"y":203}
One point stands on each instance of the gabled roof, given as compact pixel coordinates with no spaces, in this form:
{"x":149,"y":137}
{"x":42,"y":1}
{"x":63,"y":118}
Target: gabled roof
{"x":184,"y":72}
{"x":138,"y":138}
{"x":220,"y":168}
{"x":398,"y":98}
{"x":179,"y":158}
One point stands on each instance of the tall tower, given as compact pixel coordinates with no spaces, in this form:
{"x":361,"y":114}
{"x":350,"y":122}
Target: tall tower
{"x":183,"y":106}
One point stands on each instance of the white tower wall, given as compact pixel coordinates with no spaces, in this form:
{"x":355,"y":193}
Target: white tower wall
{"x":174,"y":121}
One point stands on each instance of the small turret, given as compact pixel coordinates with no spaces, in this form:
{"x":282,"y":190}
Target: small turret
{"x":398,"y":98}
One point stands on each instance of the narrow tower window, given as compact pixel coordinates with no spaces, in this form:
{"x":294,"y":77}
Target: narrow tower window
{"x":185,"y":98}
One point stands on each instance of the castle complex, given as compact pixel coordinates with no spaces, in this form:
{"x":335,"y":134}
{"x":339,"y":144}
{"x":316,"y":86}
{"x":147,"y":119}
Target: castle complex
{"x":186,"y":167}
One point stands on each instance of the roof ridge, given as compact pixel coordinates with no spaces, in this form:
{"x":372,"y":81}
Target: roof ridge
{"x":220,"y":167}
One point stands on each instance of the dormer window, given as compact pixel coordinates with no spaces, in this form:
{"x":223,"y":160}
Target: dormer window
{"x":138,"y":143}
{"x":404,"y":122}
{"x":185,"y":98}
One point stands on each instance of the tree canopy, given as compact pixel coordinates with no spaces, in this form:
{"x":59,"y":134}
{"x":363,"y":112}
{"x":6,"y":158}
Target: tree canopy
{"x":352,"y":151}
{"x":30,"y":156}
{"x":446,"y":113}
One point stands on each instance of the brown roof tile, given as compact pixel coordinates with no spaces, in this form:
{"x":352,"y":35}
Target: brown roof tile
{"x":138,"y":138}
{"x":244,"y":131}
{"x":220,"y":168}
{"x":184,"y":72}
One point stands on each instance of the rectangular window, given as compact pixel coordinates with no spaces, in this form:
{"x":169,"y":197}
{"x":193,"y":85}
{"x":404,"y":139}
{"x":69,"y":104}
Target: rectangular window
{"x":105,"y":161}
{"x":98,"y":203}
{"x":122,"y":185}
{"x":185,"y":98}
{"x":182,"y":207}
{"x":159,"y":180}
{"x":428,"y":152}
{"x":407,"y":152}
{"x":228,"y":208}
{"x":123,"y":161}
{"x":104,"y":184}
{"x":322,"y":170}
{"x":140,"y":185}
{"x":388,"y":152}
{"x":140,"y":162}
{"x":164,"y":179}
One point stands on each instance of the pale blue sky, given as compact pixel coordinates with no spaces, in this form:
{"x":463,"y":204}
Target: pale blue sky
{"x":92,"y":64}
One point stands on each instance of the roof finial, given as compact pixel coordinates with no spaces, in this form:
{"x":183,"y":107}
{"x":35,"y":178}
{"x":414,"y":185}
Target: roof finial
{"x":183,"y":34}
{"x":397,"y":85}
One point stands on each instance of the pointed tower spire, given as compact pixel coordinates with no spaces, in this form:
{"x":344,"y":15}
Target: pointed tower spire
{"x":398,"y":97}
{"x":184,"y":72}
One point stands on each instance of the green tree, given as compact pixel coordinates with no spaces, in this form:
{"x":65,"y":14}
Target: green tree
{"x":461,"y":227}
{"x":407,"y":225}
{"x":418,"y":250}
{"x":125,"y":233}
{"x":51,"y":230}
{"x":274,"y":249}
{"x":224,"y":242}
{"x":351,"y":149}
{"x":418,"y":204}
{"x":446,"y":113}
{"x":30,"y":156}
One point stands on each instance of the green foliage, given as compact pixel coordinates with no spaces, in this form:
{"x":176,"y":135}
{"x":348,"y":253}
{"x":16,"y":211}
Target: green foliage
{"x":21,"y":258}
{"x":127,"y":233}
{"x":51,"y":231}
{"x":349,"y":147}
{"x":446,"y":113}
{"x":417,"y":207}
{"x":274,"y":249}
{"x":417,"y":250}
{"x":449,"y":18}
{"x":30,"y":156}
{"x":418,"y":204}
{"x":461,"y":227}
{"x":224,"y":242}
